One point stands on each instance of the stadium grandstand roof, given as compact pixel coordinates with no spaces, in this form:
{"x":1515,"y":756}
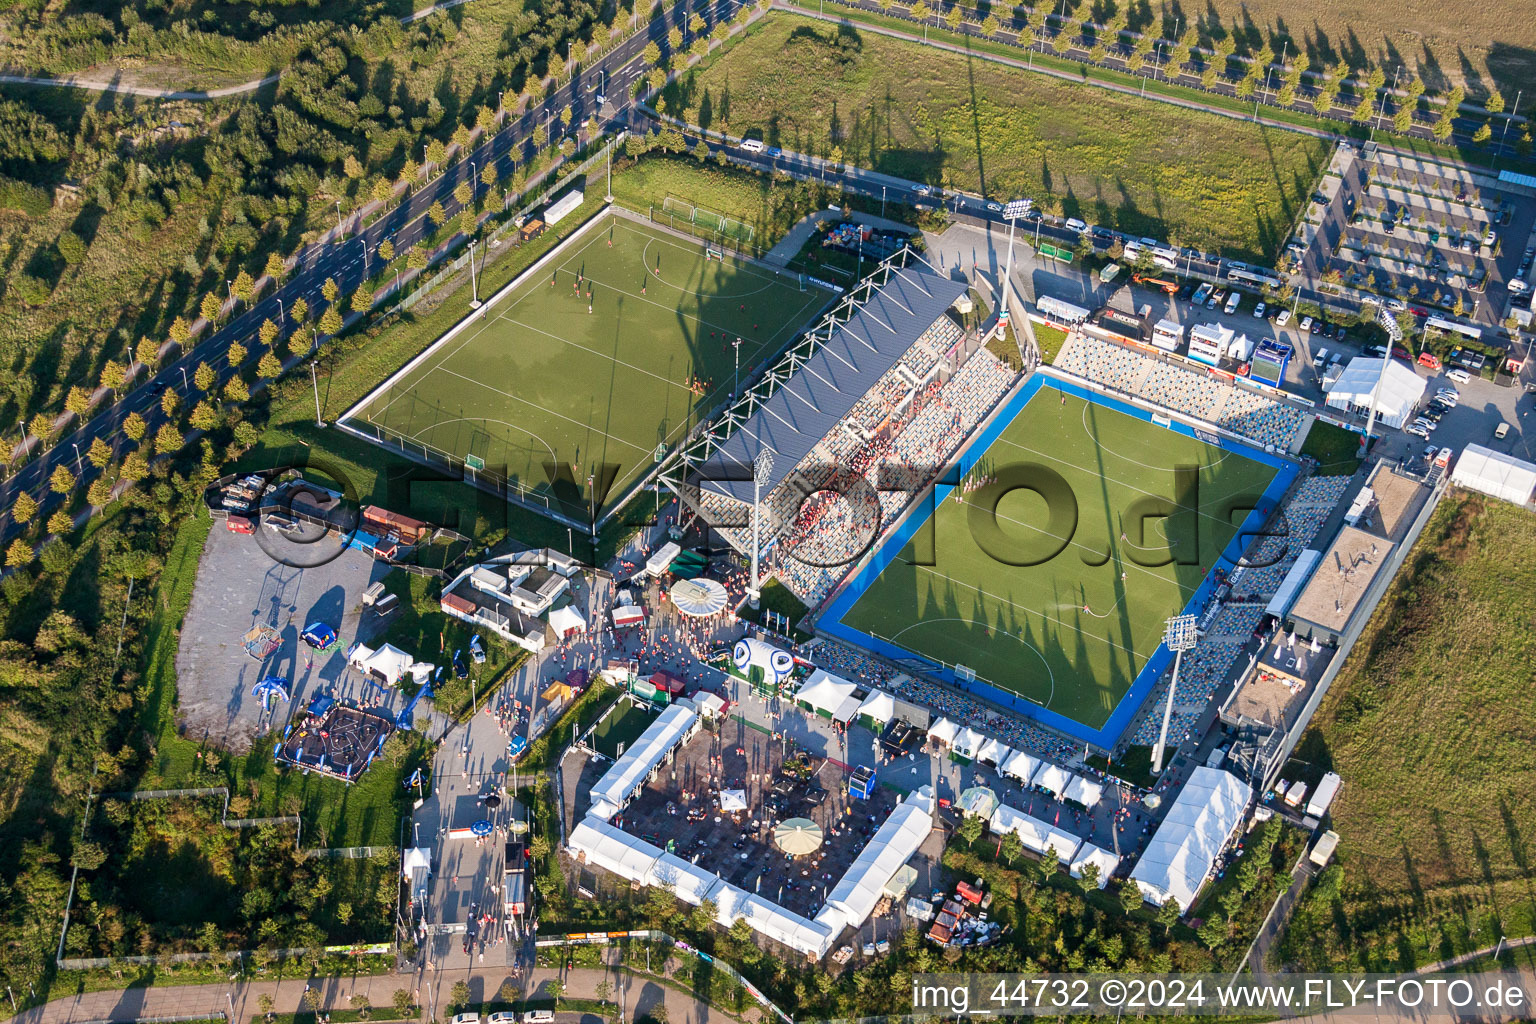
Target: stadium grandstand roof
{"x":822,"y":389}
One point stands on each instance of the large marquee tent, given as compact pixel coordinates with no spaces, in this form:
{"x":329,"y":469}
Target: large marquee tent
{"x":1182,"y":851}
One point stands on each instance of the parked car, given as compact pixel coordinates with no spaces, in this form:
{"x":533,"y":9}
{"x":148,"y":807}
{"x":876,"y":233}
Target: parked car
{"x":1216,"y":299}
{"x":466,"y":1018}
{"x":995,"y":207}
{"x":502,"y":1018}
{"x":539,"y":1017}
{"x":1502,"y":432}
{"x":1416,"y":431}
{"x":1258,"y":311}
{"x":922,"y":190}
{"x":1232,"y":303}
{"x":1074,"y":224}
{"x":1319,"y":358}
{"x":239,"y":524}
{"x":1458,"y":375}
{"x":1397,"y":305}
{"x":1283,"y":319}
{"x":1306,"y":325}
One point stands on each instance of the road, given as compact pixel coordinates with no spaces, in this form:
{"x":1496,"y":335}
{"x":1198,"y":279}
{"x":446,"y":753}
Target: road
{"x":348,"y":258}
{"x":242,"y":1000}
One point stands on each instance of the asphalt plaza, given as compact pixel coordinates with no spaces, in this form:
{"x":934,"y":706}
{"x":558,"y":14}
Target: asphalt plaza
{"x":616,"y":343}
{"x":1050,"y":560}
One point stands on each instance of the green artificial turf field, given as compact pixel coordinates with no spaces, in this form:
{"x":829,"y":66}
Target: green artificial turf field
{"x":617,"y":344}
{"x":1072,"y":631}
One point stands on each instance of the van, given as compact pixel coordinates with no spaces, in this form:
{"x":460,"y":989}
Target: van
{"x":1073,"y":224}
{"x":539,"y":1017}
{"x":752,"y":145}
{"x":1502,"y":432}
{"x":1232,"y":301}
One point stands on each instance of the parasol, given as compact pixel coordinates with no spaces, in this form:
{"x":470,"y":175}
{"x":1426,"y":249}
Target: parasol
{"x":797,"y":836}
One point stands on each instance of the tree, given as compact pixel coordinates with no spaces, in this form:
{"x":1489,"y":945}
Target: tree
{"x":1214,"y":932}
{"x":352,"y":167}
{"x":415,"y":259}
{"x":18,"y":555}
{"x":99,"y":453}
{"x":168,"y":439}
{"x":461,"y":138}
{"x":62,"y":481}
{"x":78,"y":400}
{"x":1098,"y":52}
{"x":60,"y":523}
{"x":1011,"y":846}
{"x":179,"y":330}
{"x":100,"y":491}
{"x":436,"y":152}
{"x":701,"y":151}
{"x":386,"y":250}
{"x":540,"y":136}
{"x":402,"y":1001}
{"x":135,"y":467}
{"x":299,"y":311}
{"x":276,"y":269}
{"x":695,"y":24}
{"x":24,"y":508}
{"x":147,"y":351}
{"x":203,"y":376}
{"x":1494,"y":104}
{"x":458,"y":996}
{"x":651,"y":55}
{"x":1130,"y":896}
{"x":267,"y":332}
{"x":989,"y":25}
{"x":235,"y":389}
{"x":362,"y":299}
{"x":211,"y":307}
{"x":382,"y":189}
{"x":169,"y":402}
{"x":1402,"y":120}
{"x":237,"y":354}
{"x":203,"y":416}
{"x":113,"y":375}
{"x":133,"y":426}
{"x":953,"y":17}
{"x":468,"y":222}
{"x":675,"y":39}
{"x":1483,"y":133}
{"x":463,"y":192}
{"x":330,"y":321}
{"x":1287,"y":95}
{"x":330,"y":289}
{"x":557,"y":65}
{"x":41,"y":426}
{"x":1208,"y":77}
{"x":970,"y":829}
{"x":1167,"y":914}
{"x":269,"y":367}
{"x":1088,"y":877}
{"x":920,"y":11}
{"x":1443,"y":127}
{"x":436,"y":215}
{"x":487,"y":176}
{"x":243,"y":286}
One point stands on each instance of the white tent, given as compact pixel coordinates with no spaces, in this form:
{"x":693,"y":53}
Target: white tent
{"x":688,"y":882}
{"x":994,"y":752}
{"x":388,"y":661}
{"x":879,"y":707}
{"x":944,"y":731}
{"x":699,"y":597}
{"x":1362,"y":385}
{"x":1083,"y":791}
{"x":847,"y":709}
{"x":1495,"y":473}
{"x":825,"y":692}
{"x":613,"y":849}
{"x":602,"y":810}
{"x":1052,"y":777}
{"x":967,"y":742}
{"x":862,"y":886}
{"x":1063,"y":844}
{"x":1006,"y":819}
{"x":1280,"y":605}
{"x":566,"y":621}
{"x":1208,"y":810}
{"x":635,"y":765}
{"x":1100,"y":858}
{"x":1021,"y":765}
{"x":779,"y":924}
{"x":733,"y":799}
{"x":415,"y":857}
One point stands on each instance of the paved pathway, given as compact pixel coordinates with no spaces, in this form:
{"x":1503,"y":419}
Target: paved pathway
{"x":639,"y":996}
{"x":76,"y":82}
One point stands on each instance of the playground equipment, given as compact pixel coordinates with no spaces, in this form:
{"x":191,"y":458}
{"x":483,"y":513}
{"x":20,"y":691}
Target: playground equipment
{"x":261,"y":641}
{"x":319,"y":636}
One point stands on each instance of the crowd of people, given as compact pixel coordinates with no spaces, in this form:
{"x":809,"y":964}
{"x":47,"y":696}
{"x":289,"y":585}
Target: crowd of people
{"x":1255,"y":416}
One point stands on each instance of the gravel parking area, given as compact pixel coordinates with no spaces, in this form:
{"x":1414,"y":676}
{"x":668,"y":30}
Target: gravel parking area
{"x":239,"y":585}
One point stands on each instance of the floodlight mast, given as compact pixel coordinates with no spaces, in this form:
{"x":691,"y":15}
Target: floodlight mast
{"x":1012,"y":213}
{"x":762,"y":467}
{"x":1394,"y":331}
{"x":1178,"y":636}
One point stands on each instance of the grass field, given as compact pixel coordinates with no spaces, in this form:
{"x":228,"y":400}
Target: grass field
{"x":932,"y":115}
{"x":619,"y":730}
{"x":1334,"y":448}
{"x":1072,"y":630}
{"x":618,"y":345}
{"x":1430,"y":724}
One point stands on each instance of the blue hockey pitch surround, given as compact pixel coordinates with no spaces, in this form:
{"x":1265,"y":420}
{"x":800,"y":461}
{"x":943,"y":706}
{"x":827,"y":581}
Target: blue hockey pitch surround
{"x":1106,"y":736}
